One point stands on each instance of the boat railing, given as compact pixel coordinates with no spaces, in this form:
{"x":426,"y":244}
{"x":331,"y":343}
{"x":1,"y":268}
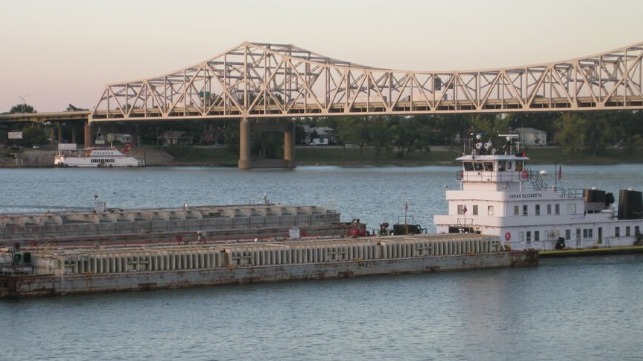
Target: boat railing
{"x":537,"y":181}
{"x":488,"y":176}
{"x":568,"y":192}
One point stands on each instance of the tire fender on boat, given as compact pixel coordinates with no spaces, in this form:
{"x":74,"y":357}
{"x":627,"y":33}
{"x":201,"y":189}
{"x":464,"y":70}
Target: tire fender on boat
{"x":507,"y":236}
{"x":525,"y":174}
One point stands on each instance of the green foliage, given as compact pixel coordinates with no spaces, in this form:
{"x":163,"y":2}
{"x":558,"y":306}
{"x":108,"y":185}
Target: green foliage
{"x":34,"y":136}
{"x":72,"y":108}
{"x":22,"y":108}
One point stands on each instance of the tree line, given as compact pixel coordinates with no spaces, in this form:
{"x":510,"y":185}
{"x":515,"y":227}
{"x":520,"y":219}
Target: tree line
{"x":589,"y":133}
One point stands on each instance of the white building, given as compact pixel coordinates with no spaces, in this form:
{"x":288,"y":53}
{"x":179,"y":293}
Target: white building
{"x":531,"y":136}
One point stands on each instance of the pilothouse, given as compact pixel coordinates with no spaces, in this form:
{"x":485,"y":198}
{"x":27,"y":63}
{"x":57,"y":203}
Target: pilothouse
{"x":500,"y":195}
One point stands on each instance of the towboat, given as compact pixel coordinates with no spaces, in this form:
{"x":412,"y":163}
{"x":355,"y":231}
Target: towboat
{"x":500,"y":195}
{"x":96,"y":157}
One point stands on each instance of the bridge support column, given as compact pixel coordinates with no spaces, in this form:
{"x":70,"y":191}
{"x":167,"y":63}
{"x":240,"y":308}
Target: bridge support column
{"x":289,"y":146}
{"x":245,"y":162}
{"x":88,"y":135}
{"x":59,"y":133}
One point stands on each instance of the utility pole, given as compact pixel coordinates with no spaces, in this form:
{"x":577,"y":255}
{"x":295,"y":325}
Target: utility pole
{"x":24,"y":102}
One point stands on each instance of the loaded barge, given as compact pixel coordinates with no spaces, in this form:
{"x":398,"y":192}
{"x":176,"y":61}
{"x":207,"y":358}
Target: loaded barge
{"x":110,"y":249}
{"x":76,"y":270}
{"x":103,"y":225}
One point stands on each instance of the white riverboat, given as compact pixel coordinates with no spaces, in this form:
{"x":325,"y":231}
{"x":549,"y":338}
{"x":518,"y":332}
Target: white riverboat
{"x":500,"y":195}
{"x":95,"y":157}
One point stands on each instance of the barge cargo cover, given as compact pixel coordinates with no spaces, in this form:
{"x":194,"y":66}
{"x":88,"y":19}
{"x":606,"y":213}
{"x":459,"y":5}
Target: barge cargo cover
{"x":68,"y":270}
{"x":102,"y":225}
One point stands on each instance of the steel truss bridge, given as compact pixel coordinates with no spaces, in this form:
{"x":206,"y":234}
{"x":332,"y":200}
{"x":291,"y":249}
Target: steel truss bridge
{"x":256,"y":80}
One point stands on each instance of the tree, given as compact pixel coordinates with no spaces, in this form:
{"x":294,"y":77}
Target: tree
{"x":34,"y":136}
{"x":409,"y":135}
{"x":380,"y":134}
{"x":569,"y":132}
{"x":354,"y":130}
{"x":22,"y":108}
{"x":72,"y":108}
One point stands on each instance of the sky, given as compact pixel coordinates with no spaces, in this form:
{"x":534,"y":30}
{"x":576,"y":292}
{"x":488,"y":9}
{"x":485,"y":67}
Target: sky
{"x":61,"y":52}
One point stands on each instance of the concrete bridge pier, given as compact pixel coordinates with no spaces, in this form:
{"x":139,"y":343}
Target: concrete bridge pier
{"x":289,"y":146}
{"x":245,"y":162}
{"x":88,"y":135}
{"x":245,"y":156}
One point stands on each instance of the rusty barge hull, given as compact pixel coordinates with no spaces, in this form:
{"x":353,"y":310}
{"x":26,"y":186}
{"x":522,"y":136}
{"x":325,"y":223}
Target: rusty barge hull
{"x":33,"y":286}
{"x":64,"y":272}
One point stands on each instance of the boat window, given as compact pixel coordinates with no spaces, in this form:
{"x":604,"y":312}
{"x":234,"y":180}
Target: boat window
{"x":477,"y":165}
{"x":490,"y":210}
{"x":462,"y":209}
{"x":537,"y":209}
{"x":557,"y":210}
{"x":519,"y":166}
{"x":525,"y":210}
{"x":571,"y":208}
{"x":509,"y":165}
{"x":568,"y":234}
{"x":617,"y":231}
{"x":536,"y":236}
{"x":549,"y":209}
{"x":475,"y":210}
{"x":627,"y":231}
{"x":528,"y":237}
{"x":585,"y":233}
{"x":636,"y":230}
{"x":501,"y":166}
{"x":516,"y":210}
{"x":488,"y":166}
{"x":468,"y":166}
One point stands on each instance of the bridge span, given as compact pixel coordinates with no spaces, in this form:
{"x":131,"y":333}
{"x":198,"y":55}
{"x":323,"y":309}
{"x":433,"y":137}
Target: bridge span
{"x":275,"y":80}
{"x":258,"y":80}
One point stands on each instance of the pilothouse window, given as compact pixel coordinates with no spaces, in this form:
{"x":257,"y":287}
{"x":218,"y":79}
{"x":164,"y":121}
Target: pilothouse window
{"x":468,"y":166}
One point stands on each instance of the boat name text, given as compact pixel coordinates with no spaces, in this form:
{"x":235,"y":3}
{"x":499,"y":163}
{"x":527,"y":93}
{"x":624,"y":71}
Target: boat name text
{"x":526,"y":195}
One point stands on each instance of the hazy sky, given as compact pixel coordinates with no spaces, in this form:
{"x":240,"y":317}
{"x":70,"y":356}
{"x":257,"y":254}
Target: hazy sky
{"x":57,"y":52}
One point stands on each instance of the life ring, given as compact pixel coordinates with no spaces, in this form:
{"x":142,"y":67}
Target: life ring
{"x":525,"y":174}
{"x":507,"y":236}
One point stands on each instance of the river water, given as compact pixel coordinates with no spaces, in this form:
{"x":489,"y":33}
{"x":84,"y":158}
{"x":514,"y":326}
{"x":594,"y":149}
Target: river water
{"x":574,"y":309}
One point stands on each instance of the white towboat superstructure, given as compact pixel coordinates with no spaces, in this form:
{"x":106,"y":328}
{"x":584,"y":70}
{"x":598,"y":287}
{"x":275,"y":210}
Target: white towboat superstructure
{"x":499,"y":195}
{"x":95,"y":157}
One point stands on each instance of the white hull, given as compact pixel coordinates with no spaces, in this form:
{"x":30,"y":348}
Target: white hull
{"x":96,"y":158}
{"x":500,"y":196}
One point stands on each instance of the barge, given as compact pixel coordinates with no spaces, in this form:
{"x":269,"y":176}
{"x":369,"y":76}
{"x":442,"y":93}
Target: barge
{"x":101,"y":225}
{"x":48,"y":271}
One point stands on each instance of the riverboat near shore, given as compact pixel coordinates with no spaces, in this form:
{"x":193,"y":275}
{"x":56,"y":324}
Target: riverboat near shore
{"x":95,"y":157}
{"x":501,"y":195}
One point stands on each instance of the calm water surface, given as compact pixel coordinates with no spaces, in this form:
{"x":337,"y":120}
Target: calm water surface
{"x":579,"y":309}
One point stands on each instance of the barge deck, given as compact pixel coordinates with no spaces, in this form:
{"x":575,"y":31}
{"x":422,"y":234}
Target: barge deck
{"x":74,"y":270}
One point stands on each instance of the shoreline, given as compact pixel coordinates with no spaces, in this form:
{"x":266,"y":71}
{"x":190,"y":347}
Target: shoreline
{"x":196,"y":156}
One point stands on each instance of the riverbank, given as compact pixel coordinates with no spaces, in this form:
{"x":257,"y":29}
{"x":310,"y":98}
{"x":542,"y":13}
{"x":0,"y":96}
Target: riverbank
{"x":155,"y":156}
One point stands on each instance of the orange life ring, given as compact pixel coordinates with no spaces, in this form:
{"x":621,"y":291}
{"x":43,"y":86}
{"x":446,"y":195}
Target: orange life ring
{"x":525,"y":174}
{"x":507,"y":236}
